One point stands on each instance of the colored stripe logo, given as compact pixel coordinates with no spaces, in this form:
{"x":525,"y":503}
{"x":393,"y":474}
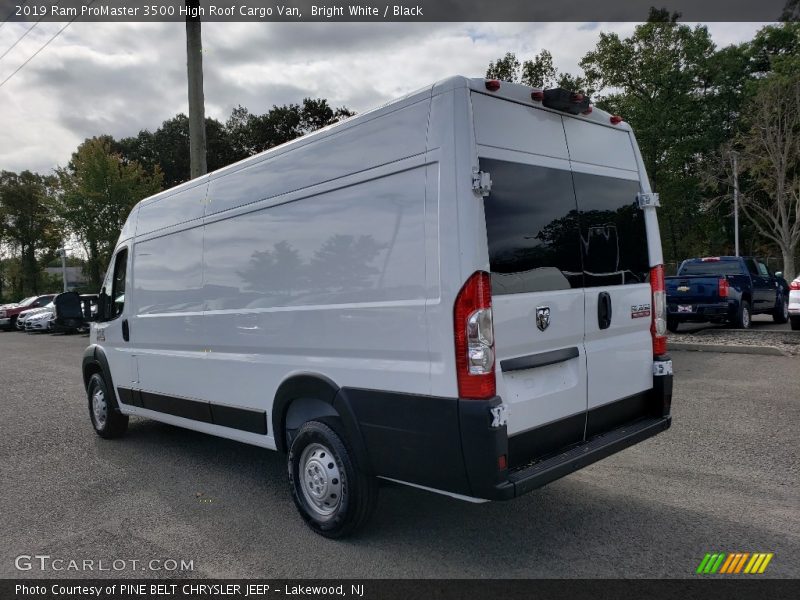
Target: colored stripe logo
{"x":734,"y":563}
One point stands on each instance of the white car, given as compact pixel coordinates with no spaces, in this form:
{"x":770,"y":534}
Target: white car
{"x":25,"y":315}
{"x":794,"y":304}
{"x":462,"y":291}
{"x":41,"y":321}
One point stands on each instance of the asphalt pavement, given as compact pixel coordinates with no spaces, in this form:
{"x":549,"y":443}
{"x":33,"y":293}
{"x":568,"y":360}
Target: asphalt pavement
{"x":723,"y":478}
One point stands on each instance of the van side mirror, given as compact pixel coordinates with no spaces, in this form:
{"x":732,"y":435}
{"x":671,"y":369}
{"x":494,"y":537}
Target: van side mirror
{"x":103,"y":305}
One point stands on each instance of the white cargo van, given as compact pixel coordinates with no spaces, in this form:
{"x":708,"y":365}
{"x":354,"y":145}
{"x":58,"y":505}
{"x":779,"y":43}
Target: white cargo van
{"x":461,"y":291}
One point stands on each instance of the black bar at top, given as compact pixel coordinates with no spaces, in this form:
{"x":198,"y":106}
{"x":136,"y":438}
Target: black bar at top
{"x":265,"y":11}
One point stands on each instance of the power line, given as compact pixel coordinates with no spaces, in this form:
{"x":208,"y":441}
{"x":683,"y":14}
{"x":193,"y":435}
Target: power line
{"x":46,"y":44}
{"x":26,"y":32}
{"x":11,"y":14}
{"x":19,"y":39}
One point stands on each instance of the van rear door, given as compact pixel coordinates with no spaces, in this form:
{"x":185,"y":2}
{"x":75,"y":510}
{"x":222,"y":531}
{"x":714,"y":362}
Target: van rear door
{"x":538,"y":305}
{"x":534,"y":257}
{"x":614,"y":254}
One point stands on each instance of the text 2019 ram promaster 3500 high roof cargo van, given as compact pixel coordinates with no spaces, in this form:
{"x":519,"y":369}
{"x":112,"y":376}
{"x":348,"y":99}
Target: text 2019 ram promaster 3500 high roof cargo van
{"x":461,"y":290}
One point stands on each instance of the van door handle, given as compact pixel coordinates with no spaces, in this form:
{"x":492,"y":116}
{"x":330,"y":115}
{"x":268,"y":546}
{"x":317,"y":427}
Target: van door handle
{"x":126,"y":332}
{"x":604,"y":310}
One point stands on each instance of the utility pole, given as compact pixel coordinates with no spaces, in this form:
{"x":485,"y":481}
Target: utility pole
{"x":197,"y":111}
{"x":63,"y":253}
{"x":735,"y":158}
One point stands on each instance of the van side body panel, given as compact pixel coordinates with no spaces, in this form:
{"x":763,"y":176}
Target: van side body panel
{"x":325,"y":271}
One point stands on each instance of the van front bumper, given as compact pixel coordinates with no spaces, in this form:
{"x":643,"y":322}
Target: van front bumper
{"x":451,"y":444}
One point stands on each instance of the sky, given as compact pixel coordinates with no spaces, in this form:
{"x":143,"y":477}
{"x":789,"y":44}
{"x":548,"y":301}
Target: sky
{"x":119,"y":78}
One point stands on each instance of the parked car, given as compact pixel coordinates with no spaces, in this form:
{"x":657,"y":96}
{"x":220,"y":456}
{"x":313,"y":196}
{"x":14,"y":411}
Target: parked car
{"x":74,"y":312}
{"x":9,"y":314}
{"x":462,"y":291}
{"x":22,"y":317}
{"x":41,"y":321}
{"x":725,"y":289}
{"x":794,"y":304}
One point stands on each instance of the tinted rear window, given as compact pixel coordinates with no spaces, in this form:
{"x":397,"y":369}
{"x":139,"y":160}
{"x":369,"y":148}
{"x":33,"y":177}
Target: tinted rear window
{"x":532,"y":228}
{"x":717,"y":267}
{"x":550,"y":229}
{"x":613,"y":234}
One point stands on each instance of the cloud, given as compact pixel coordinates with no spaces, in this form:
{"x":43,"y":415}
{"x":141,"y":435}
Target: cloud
{"x":119,"y":78}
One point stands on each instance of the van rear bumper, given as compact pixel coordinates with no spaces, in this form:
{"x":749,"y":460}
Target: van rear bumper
{"x":526,"y":479}
{"x":450,"y":445}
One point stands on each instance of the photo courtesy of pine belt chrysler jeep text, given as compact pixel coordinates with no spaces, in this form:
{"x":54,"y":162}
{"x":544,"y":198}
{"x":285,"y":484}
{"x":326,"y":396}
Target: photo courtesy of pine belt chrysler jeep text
{"x":462,"y":290}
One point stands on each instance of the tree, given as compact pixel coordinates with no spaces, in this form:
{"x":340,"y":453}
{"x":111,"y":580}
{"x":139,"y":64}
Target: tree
{"x":243,"y":134}
{"x":659,"y":79}
{"x":29,"y":223}
{"x":504,"y":69}
{"x":99,"y":188}
{"x":538,"y":72}
{"x":771,"y":155}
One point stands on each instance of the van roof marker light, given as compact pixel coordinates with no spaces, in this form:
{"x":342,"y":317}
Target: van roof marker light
{"x":537,"y":95}
{"x":615,"y":119}
{"x":492,"y":85}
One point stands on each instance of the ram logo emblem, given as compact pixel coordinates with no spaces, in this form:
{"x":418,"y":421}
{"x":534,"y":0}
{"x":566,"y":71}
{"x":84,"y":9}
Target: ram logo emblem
{"x":542,"y":317}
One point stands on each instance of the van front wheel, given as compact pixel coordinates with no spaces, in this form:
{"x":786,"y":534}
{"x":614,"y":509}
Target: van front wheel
{"x":107,"y":422}
{"x":333,"y":494}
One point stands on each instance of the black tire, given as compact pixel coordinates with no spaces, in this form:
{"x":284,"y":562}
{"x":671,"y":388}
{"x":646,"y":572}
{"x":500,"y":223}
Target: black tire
{"x":341,"y":488}
{"x":12,"y":326}
{"x":672,"y":325}
{"x":107,"y":423}
{"x":795,"y":323}
{"x":781,"y":313}
{"x":744,"y":317}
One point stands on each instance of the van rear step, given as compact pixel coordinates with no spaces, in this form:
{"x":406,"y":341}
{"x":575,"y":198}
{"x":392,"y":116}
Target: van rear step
{"x":527,"y":478}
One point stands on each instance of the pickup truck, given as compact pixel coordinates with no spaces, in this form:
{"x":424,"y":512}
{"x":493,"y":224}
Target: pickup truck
{"x":725,"y":289}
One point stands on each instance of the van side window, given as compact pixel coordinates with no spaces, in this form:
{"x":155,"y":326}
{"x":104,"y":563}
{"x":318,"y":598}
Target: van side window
{"x":118,"y":283}
{"x":763,"y":270}
{"x":613,"y":234}
{"x":751,"y":266}
{"x":531,"y":228}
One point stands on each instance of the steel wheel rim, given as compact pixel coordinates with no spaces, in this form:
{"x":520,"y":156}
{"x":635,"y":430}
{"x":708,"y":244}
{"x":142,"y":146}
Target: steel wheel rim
{"x":320,"y":480}
{"x":99,"y":408}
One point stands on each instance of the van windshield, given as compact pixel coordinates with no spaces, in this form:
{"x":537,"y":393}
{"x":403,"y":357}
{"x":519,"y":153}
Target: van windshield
{"x":550,"y":229}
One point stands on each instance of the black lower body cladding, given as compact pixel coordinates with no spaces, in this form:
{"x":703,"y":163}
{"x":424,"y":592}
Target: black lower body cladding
{"x":449,"y":444}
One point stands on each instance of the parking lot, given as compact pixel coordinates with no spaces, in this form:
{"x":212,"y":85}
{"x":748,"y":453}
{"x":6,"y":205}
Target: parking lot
{"x":723,"y":478}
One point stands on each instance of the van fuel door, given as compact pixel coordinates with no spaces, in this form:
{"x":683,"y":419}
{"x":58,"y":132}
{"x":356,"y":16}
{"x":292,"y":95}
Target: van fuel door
{"x":481,"y":182}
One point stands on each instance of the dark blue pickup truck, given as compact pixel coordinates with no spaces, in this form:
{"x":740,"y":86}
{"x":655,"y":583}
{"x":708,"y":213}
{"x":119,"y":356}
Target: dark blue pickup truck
{"x":725,"y":289}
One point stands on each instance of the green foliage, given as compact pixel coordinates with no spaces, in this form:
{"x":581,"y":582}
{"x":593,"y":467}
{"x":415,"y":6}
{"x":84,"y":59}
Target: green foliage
{"x":771,"y":155}
{"x":29,"y":225}
{"x":504,"y":69}
{"x":99,"y":189}
{"x":242,"y":135}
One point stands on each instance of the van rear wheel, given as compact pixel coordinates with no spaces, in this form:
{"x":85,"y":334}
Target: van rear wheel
{"x":107,"y":422}
{"x":334,"y":495}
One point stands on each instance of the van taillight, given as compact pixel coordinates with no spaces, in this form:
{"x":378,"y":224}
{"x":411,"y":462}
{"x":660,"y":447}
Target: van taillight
{"x":658,"y":327}
{"x":795,"y":285}
{"x":474,"y":338}
{"x":723,"y":288}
